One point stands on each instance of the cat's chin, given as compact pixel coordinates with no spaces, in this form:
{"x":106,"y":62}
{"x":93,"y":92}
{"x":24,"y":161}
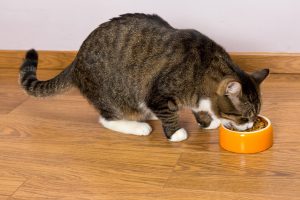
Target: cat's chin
{"x":215,"y":123}
{"x":229,"y":124}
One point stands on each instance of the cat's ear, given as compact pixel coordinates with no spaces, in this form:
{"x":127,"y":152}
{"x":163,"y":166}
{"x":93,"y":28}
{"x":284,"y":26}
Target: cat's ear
{"x":233,"y":88}
{"x":259,"y":76}
{"x":229,"y":87}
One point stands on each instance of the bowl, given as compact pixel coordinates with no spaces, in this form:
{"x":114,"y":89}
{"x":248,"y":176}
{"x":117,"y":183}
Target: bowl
{"x":247,"y":142}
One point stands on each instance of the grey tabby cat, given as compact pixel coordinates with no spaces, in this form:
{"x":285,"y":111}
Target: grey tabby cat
{"x":137,"y":67}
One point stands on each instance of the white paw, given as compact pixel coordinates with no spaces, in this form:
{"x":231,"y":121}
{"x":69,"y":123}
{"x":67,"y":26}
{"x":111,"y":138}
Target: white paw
{"x":215,"y":123}
{"x":179,"y":135}
{"x":142,"y":128}
{"x":128,"y":127}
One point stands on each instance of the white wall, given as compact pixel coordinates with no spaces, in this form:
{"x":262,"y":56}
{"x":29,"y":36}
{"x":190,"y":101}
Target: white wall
{"x":251,"y":26}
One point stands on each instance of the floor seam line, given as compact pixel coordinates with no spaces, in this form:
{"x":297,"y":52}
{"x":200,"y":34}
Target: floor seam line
{"x":172,"y":171}
{"x":10,"y":196}
{"x":27,"y":98}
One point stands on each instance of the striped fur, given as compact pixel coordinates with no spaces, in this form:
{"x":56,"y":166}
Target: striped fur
{"x":37,"y":88}
{"x":139,"y":59}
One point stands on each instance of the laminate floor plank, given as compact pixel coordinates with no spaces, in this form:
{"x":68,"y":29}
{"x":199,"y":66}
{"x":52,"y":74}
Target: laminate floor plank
{"x":54,"y":148}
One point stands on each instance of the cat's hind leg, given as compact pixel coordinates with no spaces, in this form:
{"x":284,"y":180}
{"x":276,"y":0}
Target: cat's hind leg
{"x":115,"y":119}
{"x":126,"y":126}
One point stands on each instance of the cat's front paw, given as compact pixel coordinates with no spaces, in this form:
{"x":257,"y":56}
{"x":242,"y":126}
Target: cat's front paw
{"x":179,"y":135}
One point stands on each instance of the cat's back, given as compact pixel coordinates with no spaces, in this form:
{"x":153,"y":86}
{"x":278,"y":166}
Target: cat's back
{"x":126,"y":43}
{"x":137,"y":19}
{"x":123,"y":30}
{"x":124,"y":56}
{"x":126,"y":40}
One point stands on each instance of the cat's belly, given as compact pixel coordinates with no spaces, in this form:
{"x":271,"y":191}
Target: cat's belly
{"x":147,"y":113}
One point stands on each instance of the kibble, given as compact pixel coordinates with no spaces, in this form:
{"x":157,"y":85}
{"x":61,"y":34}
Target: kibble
{"x":260,"y":123}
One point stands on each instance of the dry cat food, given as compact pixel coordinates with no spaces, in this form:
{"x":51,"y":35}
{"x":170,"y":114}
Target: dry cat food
{"x":259,"y":123}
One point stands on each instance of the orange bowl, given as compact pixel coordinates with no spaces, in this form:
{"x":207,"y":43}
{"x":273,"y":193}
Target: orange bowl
{"x":247,"y":142}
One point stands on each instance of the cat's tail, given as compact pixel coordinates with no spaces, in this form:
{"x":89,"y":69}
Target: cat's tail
{"x":34,"y":87}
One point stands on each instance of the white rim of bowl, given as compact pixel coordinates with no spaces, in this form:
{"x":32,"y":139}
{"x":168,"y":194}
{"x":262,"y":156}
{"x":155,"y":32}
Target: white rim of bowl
{"x":240,"y":132}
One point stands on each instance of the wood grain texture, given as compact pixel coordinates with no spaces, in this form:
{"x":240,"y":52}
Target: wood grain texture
{"x":47,"y":59}
{"x":9,"y":185}
{"x":277,"y":62}
{"x":54,"y":148}
{"x":271,"y":173}
{"x":3,"y":197}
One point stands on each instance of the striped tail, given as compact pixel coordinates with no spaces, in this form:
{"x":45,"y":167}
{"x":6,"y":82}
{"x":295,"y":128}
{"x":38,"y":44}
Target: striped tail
{"x":34,"y":87}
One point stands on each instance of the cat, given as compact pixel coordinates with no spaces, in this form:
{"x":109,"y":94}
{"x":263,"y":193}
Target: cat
{"x":137,"y":67}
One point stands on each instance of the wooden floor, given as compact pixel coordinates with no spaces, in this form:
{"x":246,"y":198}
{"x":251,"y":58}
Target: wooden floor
{"x":54,"y":148}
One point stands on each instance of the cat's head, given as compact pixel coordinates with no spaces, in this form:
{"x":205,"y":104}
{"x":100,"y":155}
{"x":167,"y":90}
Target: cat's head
{"x":239,"y":100}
